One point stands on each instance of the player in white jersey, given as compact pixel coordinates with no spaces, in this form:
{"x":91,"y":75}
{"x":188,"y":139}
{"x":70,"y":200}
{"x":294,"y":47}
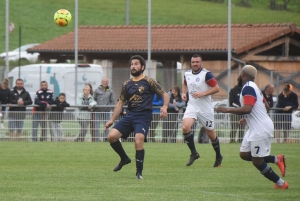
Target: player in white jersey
{"x":200,"y":85}
{"x":256,"y":145}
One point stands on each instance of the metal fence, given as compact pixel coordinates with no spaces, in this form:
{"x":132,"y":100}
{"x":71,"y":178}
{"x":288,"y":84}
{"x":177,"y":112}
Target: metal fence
{"x":41,"y":126}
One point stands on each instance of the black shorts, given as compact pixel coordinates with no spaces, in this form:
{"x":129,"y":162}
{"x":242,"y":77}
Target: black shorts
{"x":136,"y":122}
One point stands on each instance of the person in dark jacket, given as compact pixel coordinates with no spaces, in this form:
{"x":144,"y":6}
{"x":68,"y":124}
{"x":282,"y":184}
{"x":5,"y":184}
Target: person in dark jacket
{"x":268,"y":94}
{"x":234,"y":101}
{"x":43,"y":98}
{"x":55,"y":117}
{"x":4,"y":99}
{"x":288,"y":101}
{"x":16,"y":115}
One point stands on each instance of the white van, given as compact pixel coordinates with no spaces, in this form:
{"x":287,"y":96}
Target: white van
{"x":60,"y":78}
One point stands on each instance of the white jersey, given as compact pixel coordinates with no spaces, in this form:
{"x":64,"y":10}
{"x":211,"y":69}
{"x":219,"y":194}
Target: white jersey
{"x":198,"y":83}
{"x":259,"y":123}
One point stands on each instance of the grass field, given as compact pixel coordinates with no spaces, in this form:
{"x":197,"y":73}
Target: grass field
{"x":36,"y":16}
{"x":83,"y":171}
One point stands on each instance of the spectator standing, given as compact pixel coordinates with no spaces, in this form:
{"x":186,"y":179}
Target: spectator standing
{"x":236,"y":127}
{"x":4,"y":99}
{"x":170,"y":125}
{"x":268,"y":94}
{"x":288,"y":101}
{"x":84,"y":115}
{"x":157,"y":101}
{"x":43,"y":98}
{"x":55,"y":117}
{"x":16,"y":115}
{"x":104,"y":96}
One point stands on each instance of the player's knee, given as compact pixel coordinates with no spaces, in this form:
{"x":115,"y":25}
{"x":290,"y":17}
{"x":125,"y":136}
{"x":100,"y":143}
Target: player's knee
{"x":139,"y":141}
{"x":112,"y":138}
{"x":246,"y":156}
{"x":186,"y":128}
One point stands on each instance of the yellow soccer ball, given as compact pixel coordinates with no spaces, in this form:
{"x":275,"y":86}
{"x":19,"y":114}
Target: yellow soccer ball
{"x":62,"y":17}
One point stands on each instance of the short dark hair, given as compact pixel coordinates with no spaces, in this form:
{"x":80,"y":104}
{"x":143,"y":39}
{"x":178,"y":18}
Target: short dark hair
{"x":197,"y":55}
{"x":19,"y":79}
{"x":140,"y":58}
{"x":62,"y":94}
{"x":177,"y":89}
{"x":44,"y":82}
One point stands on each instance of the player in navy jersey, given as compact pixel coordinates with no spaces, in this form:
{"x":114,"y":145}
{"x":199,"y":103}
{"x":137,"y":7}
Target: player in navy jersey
{"x":138,"y":92}
{"x":256,"y":145}
{"x":200,"y":85}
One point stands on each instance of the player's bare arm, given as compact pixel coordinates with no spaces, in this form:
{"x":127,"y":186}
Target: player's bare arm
{"x":184,"y":91}
{"x":211,"y":91}
{"x":243,"y":121}
{"x":163,"y":109}
{"x":245,"y":109}
{"x":117,"y":111}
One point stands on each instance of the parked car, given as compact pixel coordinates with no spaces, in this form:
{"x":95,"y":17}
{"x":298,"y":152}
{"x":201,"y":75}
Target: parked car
{"x":24,"y":55}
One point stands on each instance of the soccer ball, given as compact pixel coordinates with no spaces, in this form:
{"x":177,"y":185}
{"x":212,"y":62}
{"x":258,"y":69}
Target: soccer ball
{"x":62,"y":17}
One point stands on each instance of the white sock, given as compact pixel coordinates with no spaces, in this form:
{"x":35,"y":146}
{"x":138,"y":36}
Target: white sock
{"x":275,"y":160}
{"x":280,"y":182}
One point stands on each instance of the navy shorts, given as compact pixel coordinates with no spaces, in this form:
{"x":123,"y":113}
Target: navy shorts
{"x":134,"y":122}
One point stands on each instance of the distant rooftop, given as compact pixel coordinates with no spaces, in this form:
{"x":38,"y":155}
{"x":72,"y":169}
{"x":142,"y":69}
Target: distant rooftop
{"x":168,"y":38}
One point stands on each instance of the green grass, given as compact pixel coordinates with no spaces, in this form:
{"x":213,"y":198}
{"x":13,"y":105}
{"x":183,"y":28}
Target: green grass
{"x":36,"y":16}
{"x":83,"y":171}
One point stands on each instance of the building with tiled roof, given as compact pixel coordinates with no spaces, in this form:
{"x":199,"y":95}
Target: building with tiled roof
{"x":269,"y":47}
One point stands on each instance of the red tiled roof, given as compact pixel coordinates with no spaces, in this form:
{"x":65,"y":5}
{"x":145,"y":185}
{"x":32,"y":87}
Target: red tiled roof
{"x":168,"y":38}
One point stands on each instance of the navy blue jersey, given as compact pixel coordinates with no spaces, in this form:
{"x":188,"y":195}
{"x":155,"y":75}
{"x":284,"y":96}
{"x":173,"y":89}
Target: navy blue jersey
{"x":139,"y":94}
{"x":42,"y":98}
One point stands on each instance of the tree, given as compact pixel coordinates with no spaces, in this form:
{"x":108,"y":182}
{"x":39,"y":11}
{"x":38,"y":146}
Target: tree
{"x":244,"y":3}
{"x":275,"y":6}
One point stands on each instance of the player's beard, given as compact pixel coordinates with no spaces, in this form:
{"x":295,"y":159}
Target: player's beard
{"x":136,"y":73}
{"x":240,"y":81}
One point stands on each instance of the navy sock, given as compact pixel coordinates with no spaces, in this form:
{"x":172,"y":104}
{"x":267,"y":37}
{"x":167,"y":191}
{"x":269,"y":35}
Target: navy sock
{"x":267,"y":171}
{"x":139,"y":160}
{"x":269,"y":159}
{"x":189,"y":139}
{"x":216,"y":146}
{"x":117,"y":146}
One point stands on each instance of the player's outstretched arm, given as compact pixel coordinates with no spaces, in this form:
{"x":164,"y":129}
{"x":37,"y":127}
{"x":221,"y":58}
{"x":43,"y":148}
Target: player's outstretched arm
{"x":163,"y":109}
{"x":184,"y":92}
{"x":117,"y":111}
{"x":245,"y":109}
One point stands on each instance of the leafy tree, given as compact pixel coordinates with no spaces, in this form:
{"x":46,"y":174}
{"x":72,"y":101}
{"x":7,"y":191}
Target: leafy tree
{"x":244,"y":3}
{"x":276,"y":6}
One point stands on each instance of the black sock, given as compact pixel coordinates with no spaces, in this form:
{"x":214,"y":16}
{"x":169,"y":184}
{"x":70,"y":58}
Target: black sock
{"x":189,"y":139}
{"x":267,"y":171}
{"x":139,"y":160}
{"x":117,"y":146}
{"x":269,"y":159}
{"x":216,"y":146}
